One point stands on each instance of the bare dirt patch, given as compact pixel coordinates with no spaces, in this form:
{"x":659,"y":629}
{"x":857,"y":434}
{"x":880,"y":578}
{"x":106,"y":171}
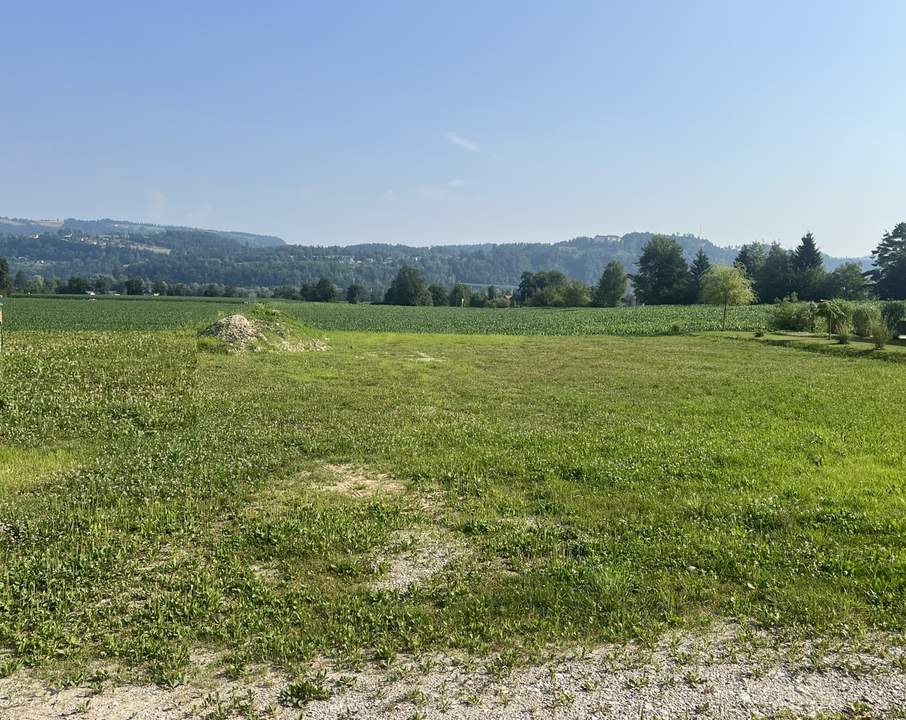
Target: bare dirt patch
{"x":338,"y":480}
{"x":360,"y":482}
{"x":423,"y":555}
{"x":726,"y":673}
{"x":266,"y":573}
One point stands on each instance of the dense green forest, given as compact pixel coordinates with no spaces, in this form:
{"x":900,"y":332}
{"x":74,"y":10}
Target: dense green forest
{"x":192,"y":258}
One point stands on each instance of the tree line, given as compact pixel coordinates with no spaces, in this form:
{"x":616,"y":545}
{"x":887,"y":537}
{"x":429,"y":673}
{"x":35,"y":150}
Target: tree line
{"x":759,"y":272}
{"x":770,"y":273}
{"x":201,"y":258}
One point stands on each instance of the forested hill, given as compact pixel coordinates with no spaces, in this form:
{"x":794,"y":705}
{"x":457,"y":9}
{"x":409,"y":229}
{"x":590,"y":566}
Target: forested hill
{"x":193,"y":256}
{"x":106,"y":226}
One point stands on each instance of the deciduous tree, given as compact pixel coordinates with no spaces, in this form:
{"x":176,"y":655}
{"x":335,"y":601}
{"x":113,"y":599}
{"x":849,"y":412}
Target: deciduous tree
{"x":612,"y":286}
{"x":460,"y":296}
{"x":439,"y":294}
{"x":663,"y":276}
{"x":408,"y":288}
{"x":847,"y":282}
{"x":774,"y":279}
{"x":727,"y":285}
{"x":751,"y":257}
{"x":356,"y":293}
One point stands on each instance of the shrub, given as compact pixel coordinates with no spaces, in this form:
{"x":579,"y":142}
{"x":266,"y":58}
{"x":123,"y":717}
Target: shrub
{"x":843,"y":336}
{"x":838,"y":314}
{"x":676,"y":329}
{"x":894,"y":313}
{"x":792,"y":316}
{"x":864,"y":319}
{"x":880,"y":333}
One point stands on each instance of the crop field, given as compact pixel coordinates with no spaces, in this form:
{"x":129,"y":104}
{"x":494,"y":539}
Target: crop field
{"x":653,"y":320}
{"x":403,"y":494}
{"x":113,"y":313}
{"x":124,"y":313}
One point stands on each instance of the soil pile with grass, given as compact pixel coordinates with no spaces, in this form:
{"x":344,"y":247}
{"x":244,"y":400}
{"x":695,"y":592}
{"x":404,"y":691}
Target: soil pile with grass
{"x":261,"y":329}
{"x":237,"y":331}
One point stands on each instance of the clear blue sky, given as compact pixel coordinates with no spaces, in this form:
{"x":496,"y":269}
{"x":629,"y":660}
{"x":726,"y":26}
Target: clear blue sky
{"x":429,"y":123}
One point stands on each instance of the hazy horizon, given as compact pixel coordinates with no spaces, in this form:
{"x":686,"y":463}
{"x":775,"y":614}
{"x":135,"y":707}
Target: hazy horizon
{"x":421,"y":245}
{"x":436,"y":125}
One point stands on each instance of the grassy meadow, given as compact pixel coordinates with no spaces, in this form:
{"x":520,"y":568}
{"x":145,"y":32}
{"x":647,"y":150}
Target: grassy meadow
{"x":156,"y":501}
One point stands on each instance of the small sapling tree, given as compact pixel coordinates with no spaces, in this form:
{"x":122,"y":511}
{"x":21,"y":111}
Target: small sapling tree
{"x":726,"y":285}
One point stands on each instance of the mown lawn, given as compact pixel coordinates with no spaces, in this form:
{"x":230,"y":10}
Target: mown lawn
{"x":597,"y":488}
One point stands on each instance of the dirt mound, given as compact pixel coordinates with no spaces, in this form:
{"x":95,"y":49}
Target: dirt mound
{"x":263,"y":329}
{"x":235,"y":330}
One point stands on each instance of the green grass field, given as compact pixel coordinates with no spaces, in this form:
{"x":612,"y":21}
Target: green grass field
{"x":156,"y":500}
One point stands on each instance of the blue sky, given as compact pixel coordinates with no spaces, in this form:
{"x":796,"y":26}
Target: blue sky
{"x":435,"y":123}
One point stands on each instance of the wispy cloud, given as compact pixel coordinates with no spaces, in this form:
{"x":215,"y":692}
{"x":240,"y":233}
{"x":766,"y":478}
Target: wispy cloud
{"x":456,"y":183}
{"x":462,"y":142}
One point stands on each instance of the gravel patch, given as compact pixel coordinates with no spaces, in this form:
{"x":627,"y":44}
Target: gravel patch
{"x":718,"y":675}
{"x":237,"y":331}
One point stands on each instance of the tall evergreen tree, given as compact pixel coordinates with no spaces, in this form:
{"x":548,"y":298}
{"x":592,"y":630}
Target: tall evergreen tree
{"x":807,"y":256}
{"x":697,"y":272}
{"x":889,"y":275}
{"x":4,"y":276}
{"x":809,"y":279}
{"x":663,"y":276}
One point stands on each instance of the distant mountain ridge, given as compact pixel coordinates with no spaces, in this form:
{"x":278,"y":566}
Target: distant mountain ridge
{"x":106,"y":226}
{"x":122,"y":249}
